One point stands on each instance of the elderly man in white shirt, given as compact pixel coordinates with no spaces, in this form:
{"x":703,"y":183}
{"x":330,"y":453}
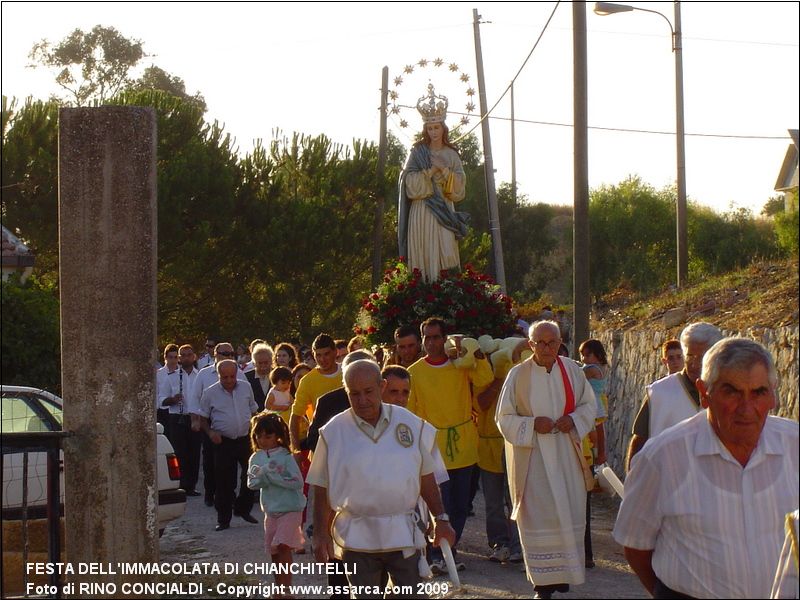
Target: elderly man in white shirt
{"x":372,"y":463}
{"x":206,"y":377}
{"x":225,"y":411}
{"x":705,"y":500}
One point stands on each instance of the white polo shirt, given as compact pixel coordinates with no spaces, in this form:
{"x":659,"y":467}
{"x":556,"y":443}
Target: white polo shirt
{"x":715,"y":527}
{"x":207,"y":377}
{"x":229,"y":412}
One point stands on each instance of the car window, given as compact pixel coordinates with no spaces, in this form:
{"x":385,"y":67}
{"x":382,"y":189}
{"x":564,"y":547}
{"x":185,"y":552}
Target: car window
{"x":19,"y":416}
{"x":54,"y":410}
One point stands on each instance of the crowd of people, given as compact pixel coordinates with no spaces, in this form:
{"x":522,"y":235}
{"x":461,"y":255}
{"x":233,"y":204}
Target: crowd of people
{"x":711,"y":479}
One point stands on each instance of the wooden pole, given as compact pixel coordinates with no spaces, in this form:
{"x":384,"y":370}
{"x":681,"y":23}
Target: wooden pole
{"x":488,"y":164}
{"x":513,"y":151}
{"x":580,"y":256}
{"x":380,"y":190}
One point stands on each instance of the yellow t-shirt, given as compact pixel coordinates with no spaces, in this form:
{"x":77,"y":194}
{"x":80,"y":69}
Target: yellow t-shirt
{"x":311,"y":387}
{"x":490,"y":441}
{"x":442,"y":395}
{"x":586,"y":444}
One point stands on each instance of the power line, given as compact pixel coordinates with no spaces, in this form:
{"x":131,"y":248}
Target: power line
{"x":503,"y":95}
{"x":623,"y":129}
{"x":656,"y":35}
{"x":650,"y":131}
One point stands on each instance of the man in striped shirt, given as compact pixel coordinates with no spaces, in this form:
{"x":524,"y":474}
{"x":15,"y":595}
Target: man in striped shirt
{"x":705,"y":501}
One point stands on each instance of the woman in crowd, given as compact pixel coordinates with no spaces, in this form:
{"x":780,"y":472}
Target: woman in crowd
{"x":285,"y":356}
{"x":595,"y":368}
{"x":242,"y":356}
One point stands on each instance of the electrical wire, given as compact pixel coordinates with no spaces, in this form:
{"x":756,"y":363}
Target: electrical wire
{"x":649,"y":131}
{"x":525,"y":62}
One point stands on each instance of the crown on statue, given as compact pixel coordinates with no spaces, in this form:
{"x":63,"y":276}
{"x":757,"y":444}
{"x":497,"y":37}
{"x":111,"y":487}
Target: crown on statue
{"x":433,"y":108}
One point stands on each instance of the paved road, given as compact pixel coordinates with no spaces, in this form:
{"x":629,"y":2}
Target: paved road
{"x":192,"y":539}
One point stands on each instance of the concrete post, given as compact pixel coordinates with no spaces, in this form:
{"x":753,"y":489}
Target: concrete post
{"x":107,"y":244}
{"x":581,"y":291}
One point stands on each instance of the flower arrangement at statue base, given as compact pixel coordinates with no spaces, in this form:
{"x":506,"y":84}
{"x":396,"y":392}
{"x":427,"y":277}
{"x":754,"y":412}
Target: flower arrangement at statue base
{"x":470,"y":302}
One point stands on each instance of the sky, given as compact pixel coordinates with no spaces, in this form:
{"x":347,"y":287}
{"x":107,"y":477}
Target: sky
{"x":315,"y":68}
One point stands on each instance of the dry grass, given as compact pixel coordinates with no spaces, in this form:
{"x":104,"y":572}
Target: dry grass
{"x":765,"y":294}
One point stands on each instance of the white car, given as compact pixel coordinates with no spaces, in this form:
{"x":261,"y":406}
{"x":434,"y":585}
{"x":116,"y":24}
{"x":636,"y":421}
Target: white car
{"x":29,"y":409}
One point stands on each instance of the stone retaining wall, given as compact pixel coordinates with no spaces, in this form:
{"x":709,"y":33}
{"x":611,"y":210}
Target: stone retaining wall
{"x":634,"y":358}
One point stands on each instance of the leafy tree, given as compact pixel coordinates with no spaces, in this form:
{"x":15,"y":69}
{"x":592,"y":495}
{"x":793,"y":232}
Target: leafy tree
{"x":30,"y":177}
{"x":30,"y":345}
{"x":529,"y":244}
{"x":632,"y":236}
{"x":199,"y":257}
{"x":90,"y":65}
{"x":156,"y":78}
{"x":311,"y":205}
{"x":720,"y":243}
{"x":773,"y":206}
{"x":787,"y":228}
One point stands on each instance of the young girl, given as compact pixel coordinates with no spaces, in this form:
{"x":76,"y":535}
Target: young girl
{"x":279,"y":400}
{"x":595,"y":368}
{"x":274,"y":471}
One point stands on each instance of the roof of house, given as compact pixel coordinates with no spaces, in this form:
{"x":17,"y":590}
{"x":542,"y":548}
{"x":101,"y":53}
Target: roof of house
{"x":15,"y":253}
{"x":788,"y":176}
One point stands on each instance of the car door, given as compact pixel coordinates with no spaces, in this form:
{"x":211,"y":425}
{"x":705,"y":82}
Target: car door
{"x":24,"y":411}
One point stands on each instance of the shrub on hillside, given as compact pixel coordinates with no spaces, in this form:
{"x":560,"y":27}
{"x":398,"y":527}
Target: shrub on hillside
{"x":787,"y":227}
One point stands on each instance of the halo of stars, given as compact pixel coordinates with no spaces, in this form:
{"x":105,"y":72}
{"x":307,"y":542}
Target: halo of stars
{"x":394,"y":107}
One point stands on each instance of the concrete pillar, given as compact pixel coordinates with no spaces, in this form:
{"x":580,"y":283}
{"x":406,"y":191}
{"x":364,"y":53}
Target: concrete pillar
{"x":107,"y":244}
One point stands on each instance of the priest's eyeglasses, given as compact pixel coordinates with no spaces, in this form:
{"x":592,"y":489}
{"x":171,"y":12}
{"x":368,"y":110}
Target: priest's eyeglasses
{"x":552,"y":344}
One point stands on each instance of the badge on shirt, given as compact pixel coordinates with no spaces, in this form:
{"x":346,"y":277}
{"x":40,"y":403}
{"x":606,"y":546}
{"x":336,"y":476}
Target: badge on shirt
{"x":403,"y":434}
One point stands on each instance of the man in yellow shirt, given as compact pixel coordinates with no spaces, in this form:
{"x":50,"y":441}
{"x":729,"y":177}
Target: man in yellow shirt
{"x":442,"y":395}
{"x":324,"y":378}
{"x":501,"y":531}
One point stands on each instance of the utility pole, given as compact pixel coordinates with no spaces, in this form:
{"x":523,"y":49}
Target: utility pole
{"x":491,"y":193}
{"x":513,"y":151}
{"x":680,"y":141}
{"x":580,"y":245}
{"x":380,"y":191}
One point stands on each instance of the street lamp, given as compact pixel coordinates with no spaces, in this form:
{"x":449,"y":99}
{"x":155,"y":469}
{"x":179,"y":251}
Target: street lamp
{"x":609,"y":8}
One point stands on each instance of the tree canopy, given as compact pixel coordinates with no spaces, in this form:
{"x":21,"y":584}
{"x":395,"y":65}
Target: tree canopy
{"x":92,"y":65}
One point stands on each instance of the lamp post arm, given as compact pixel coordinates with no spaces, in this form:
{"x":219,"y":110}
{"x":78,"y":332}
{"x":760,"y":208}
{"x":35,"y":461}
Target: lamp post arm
{"x":666,"y":18}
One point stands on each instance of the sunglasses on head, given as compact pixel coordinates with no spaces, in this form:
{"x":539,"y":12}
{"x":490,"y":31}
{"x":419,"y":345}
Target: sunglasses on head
{"x":226,"y":353}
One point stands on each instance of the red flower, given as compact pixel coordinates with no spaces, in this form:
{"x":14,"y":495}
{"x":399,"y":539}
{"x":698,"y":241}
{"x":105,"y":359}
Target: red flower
{"x":460,"y":314}
{"x":412,"y":283}
{"x":436,"y":287}
{"x":472,"y":312}
{"x":375,"y":296}
{"x":402,"y":259}
{"x":408,"y":301}
{"x":430,"y":298}
{"x":371,"y":329}
{"x":400,"y":287}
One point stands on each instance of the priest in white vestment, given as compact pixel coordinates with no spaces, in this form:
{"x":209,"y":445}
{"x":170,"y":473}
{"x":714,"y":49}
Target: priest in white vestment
{"x":546,"y":406}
